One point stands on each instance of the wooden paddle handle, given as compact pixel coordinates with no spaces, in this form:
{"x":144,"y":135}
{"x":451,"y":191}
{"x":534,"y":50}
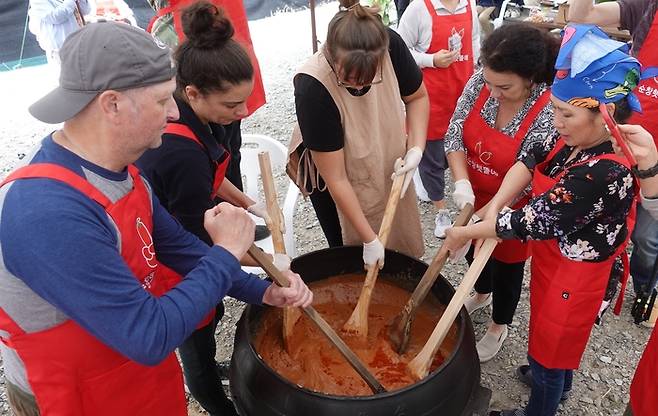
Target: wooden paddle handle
{"x":439,"y":260}
{"x":420,"y":365}
{"x":391,"y":208}
{"x":358,"y":322}
{"x":399,"y":332}
{"x":280,"y":279}
{"x":272,"y":202}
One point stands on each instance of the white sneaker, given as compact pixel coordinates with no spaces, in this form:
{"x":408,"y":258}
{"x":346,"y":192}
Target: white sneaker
{"x":472,"y":305}
{"x":490,"y":344}
{"x":442,"y":223}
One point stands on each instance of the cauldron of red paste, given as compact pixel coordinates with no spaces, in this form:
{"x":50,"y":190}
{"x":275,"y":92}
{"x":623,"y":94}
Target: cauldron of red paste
{"x":260,"y":391}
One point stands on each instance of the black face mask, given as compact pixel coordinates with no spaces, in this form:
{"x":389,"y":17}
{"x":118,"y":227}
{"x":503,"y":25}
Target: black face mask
{"x":358,"y":93}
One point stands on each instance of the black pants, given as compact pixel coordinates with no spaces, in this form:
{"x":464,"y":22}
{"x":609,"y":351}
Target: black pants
{"x":200,"y":368}
{"x":401,"y":6}
{"x":504,"y":280}
{"x":327,"y":213}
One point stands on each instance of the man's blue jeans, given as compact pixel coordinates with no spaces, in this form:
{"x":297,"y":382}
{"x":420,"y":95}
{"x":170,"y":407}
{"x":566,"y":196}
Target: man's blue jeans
{"x":547,"y":388}
{"x":645,"y":249}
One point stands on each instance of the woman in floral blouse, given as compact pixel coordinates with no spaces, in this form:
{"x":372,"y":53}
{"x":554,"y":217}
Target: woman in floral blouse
{"x":579,"y":218}
{"x":502,"y":114}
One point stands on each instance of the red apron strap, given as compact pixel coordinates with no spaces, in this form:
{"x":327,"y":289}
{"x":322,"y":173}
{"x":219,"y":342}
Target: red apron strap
{"x":624,"y":281}
{"x":532,"y":114}
{"x":183,"y":131}
{"x":62,"y":174}
{"x":430,"y":8}
{"x":479,"y":103}
{"x":7,"y":324}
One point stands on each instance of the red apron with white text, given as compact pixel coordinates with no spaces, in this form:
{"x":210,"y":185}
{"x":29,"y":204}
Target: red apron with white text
{"x":489,"y":155}
{"x":647,"y":90}
{"x":70,"y":371}
{"x":220,"y":165}
{"x":236,"y":12}
{"x":445,"y":85}
{"x":565,"y":294}
{"x":644,"y":390}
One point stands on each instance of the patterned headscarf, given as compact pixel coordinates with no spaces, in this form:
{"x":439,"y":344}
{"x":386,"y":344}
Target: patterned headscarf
{"x":594,"y":69}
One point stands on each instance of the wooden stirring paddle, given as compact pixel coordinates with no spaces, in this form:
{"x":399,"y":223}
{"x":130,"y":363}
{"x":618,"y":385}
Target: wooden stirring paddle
{"x":280,"y":279}
{"x":420,"y":365}
{"x":399,"y":330}
{"x":357,"y":324}
{"x":290,"y":315}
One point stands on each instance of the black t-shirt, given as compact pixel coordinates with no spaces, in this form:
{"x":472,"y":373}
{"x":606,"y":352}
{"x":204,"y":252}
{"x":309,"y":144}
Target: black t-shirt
{"x":181,"y":172}
{"x":317,"y":114}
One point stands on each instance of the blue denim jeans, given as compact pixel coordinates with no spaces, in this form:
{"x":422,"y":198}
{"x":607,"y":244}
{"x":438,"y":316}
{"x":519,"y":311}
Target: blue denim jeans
{"x":645,"y":249}
{"x":547,"y":388}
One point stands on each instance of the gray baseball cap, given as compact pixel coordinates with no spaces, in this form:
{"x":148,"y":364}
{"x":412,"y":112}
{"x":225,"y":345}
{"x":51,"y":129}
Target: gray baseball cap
{"x":99,"y":57}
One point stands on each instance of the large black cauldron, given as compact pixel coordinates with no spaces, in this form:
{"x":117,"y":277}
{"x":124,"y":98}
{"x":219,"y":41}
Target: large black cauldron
{"x":449,"y":391}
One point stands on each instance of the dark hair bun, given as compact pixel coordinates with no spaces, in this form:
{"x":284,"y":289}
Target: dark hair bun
{"x":206,"y":26}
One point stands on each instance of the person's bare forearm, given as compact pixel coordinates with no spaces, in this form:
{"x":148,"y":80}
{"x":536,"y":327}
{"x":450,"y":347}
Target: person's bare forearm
{"x":230,"y":193}
{"x":603,"y":14}
{"x":515,"y":181}
{"x":418,"y":113}
{"x":457,"y":164}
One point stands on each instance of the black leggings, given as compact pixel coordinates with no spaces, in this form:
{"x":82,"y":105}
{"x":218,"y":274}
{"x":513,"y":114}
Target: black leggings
{"x":327,"y":213}
{"x":504,"y":280}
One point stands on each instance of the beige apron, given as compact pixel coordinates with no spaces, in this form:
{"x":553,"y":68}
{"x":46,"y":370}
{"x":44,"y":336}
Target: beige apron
{"x":374,"y":131}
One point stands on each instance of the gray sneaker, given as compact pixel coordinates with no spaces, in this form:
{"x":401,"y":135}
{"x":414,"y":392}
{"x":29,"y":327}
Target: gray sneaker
{"x":442,"y":223}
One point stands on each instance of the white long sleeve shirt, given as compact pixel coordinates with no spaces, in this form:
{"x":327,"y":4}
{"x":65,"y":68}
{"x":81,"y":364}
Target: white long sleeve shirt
{"x":53,"y":20}
{"x":416,"y":29}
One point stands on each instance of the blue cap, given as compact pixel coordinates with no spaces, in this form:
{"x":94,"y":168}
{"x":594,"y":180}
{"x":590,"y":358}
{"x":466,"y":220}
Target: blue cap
{"x":594,"y":69}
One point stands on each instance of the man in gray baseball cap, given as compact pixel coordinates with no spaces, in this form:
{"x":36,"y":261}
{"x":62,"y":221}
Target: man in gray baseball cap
{"x":98,"y":283}
{"x":103,"y":57}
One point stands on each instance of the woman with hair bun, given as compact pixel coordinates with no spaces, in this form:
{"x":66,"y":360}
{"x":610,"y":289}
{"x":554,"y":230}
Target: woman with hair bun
{"x":350,"y":99}
{"x":214,"y":79}
{"x":502,"y":114}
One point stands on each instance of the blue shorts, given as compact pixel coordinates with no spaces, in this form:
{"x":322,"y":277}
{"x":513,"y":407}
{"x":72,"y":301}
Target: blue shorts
{"x":432,"y":169}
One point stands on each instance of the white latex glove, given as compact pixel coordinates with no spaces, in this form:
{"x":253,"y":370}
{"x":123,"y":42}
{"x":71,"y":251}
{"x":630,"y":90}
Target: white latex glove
{"x":281,"y":261}
{"x":463,"y":193}
{"x":259,"y":209}
{"x":408,"y":167}
{"x":373,"y":253}
{"x":460,"y":253}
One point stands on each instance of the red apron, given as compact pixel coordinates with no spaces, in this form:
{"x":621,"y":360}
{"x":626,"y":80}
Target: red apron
{"x":489,"y":155}
{"x":644,"y":391}
{"x":236,"y":12}
{"x":445,"y":85}
{"x":566,"y":295}
{"x":220,"y":165}
{"x":70,"y":371}
{"x":647,"y":91}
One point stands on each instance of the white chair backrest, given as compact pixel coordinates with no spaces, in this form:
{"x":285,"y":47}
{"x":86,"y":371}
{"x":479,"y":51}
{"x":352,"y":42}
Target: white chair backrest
{"x":252,"y":144}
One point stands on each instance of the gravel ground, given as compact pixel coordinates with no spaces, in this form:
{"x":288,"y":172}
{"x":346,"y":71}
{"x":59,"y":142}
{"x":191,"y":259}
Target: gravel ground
{"x":282,"y":43}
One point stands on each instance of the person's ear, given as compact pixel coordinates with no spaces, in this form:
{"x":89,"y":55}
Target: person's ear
{"x":611,"y":107}
{"x":192,"y":93}
{"x":110,"y":103}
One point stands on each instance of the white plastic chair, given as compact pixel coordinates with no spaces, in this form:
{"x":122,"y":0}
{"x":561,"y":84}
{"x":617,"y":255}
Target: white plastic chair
{"x":498,"y":21}
{"x":252,"y":144}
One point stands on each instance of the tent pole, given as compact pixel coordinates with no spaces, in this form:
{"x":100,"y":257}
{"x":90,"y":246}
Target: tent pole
{"x":314,"y":35}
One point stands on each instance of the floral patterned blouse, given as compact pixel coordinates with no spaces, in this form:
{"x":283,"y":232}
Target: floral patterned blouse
{"x":585,"y":210}
{"x":541,"y":128}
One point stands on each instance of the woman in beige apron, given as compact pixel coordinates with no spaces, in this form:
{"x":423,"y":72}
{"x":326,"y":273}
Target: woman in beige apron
{"x":351,"y":98}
